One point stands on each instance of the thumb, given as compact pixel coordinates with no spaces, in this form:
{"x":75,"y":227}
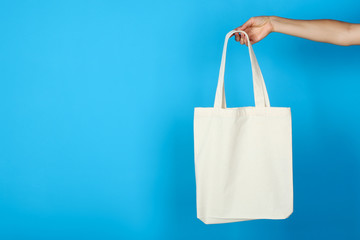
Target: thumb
{"x":247,"y":24}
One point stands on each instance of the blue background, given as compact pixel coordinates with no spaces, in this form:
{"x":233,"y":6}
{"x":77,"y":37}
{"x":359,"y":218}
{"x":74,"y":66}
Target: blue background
{"x":96,"y":116}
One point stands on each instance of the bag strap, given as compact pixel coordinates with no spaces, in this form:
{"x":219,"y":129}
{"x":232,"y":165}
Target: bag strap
{"x":260,"y":92}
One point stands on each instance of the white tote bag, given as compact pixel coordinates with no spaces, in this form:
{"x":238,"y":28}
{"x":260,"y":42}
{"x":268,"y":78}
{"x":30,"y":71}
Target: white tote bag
{"x":243,"y":156}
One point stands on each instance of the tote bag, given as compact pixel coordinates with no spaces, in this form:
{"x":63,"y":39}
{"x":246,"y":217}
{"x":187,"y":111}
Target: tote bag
{"x":243,"y":156}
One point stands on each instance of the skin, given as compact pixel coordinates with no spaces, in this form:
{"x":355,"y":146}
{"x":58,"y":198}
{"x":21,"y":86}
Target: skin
{"x":322,"y":30}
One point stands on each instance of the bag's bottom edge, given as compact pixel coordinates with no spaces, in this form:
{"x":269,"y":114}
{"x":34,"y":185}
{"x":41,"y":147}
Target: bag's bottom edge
{"x":219,"y":220}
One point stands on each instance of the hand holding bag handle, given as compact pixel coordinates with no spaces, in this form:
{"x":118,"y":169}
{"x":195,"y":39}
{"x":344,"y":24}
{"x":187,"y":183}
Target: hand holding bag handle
{"x":260,"y":93}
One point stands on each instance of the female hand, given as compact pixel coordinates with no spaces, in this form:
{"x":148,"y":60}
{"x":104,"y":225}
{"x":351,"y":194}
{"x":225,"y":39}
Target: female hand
{"x":320,"y":30}
{"x":257,"y":28}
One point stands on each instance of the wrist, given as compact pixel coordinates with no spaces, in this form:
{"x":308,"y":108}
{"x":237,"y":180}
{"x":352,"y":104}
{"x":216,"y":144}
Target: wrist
{"x":274,"y":23}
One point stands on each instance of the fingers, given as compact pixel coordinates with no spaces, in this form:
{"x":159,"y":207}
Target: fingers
{"x":244,"y":39}
{"x":253,"y":37}
{"x":237,"y":37}
{"x":241,"y":37}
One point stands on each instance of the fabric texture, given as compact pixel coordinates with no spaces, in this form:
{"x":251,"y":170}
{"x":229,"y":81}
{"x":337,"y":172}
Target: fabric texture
{"x":243,"y":155}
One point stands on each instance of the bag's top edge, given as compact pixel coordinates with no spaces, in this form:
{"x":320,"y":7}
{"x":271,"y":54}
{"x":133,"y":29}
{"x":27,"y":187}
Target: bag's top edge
{"x":278,"y":111}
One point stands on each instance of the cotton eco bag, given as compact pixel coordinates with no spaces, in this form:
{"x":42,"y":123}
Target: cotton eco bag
{"x":243,"y":156}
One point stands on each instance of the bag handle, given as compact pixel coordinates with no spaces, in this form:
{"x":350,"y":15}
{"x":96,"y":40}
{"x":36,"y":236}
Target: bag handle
{"x":260,"y":92}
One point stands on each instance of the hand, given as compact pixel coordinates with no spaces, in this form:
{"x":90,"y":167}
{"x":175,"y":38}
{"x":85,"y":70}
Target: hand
{"x":257,"y":28}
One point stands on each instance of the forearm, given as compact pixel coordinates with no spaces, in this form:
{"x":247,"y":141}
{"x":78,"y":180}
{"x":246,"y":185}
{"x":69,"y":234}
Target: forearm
{"x":324,"y":30}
